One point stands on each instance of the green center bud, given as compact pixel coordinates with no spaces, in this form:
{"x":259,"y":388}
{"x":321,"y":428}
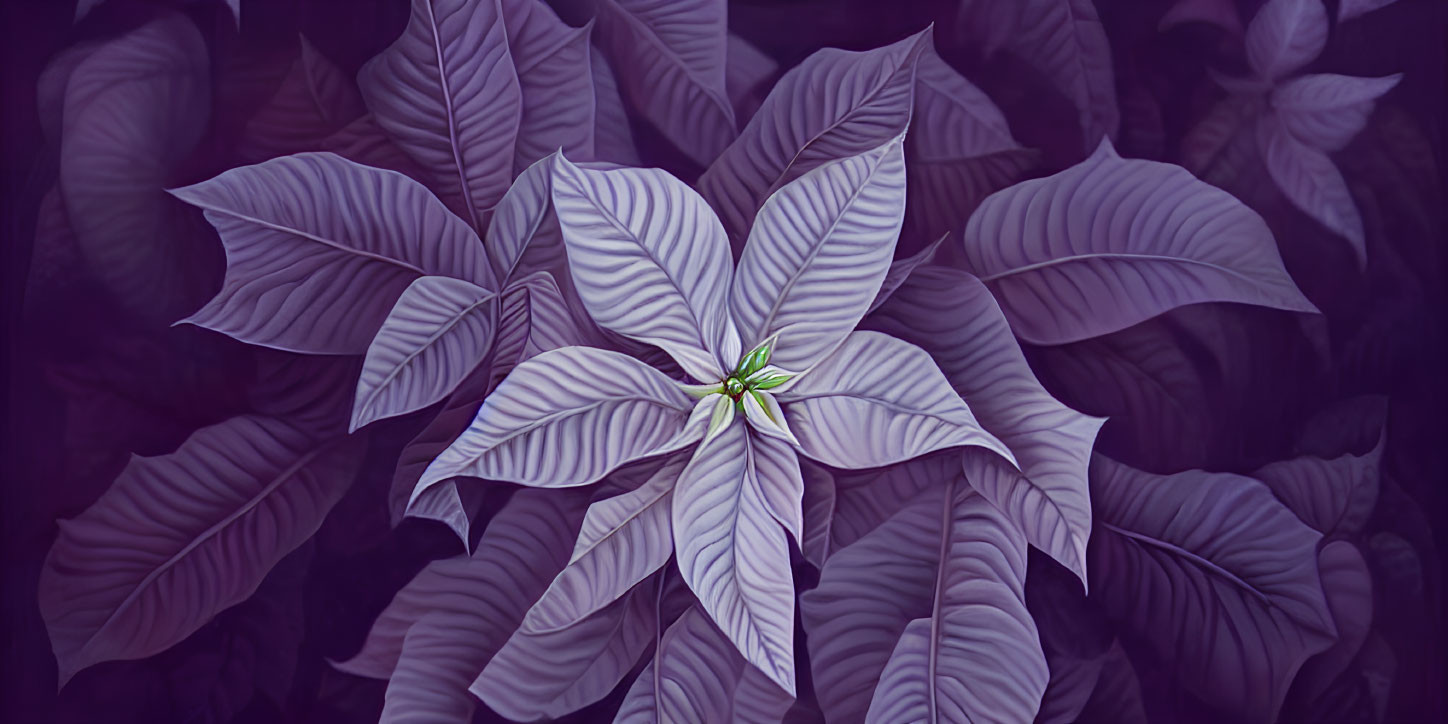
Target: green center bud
{"x":733,"y":387}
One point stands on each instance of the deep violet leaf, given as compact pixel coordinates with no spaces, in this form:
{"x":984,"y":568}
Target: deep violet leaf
{"x":671,"y":55}
{"x":134,"y":109}
{"x":746,"y":71}
{"x":1334,"y":496}
{"x":439,"y":330}
{"x":1326,"y":111}
{"x":834,"y":105}
{"x":732,"y":551}
{"x":613,"y":137}
{"x":441,"y":629}
{"x":624,"y":539}
{"x":533,"y":318}
{"x":878,"y":401}
{"x":697,"y":676}
{"x":1116,"y":696}
{"x":314,"y":100}
{"x":1221,"y":13}
{"x":50,"y":87}
{"x":817,"y":254}
{"x":442,"y":502}
{"x":817,"y":507}
{"x":1112,"y":242}
{"x":319,"y":248}
{"x":363,"y":141}
{"x":1310,"y":180}
{"x":880,"y":600}
{"x":952,"y":316}
{"x":650,"y":262}
{"x":1348,"y":585}
{"x":901,"y":269}
{"x":180,"y":537}
{"x":566,"y":418}
{"x":1349,"y":9}
{"x":1286,"y":35}
{"x":554,"y":63}
{"x":864,"y":499}
{"x":545,"y":675}
{"x":1210,"y":572}
{"x":1065,"y":40}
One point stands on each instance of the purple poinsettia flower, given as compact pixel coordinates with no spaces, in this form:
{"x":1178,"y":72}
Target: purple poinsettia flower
{"x":777,"y":371}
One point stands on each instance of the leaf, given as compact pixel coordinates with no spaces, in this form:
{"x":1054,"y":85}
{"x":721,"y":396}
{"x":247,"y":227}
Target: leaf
{"x":952,"y":316}
{"x":747,"y":70}
{"x":1221,"y":13}
{"x":1112,"y":242}
{"x":180,"y":537}
{"x":624,"y":540}
{"x":1309,"y":179}
{"x":318,"y":249}
{"x":817,"y":254}
{"x":947,"y":566}
{"x":613,"y":138}
{"x":533,"y":318}
{"x":314,"y":100}
{"x":523,"y":224}
{"x":447,"y":92}
{"x":566,"y":418}
{"x":1065,"y":40}
{"x":835,"y":105}
{"x":440,"y":630}
{"x":456,"y":413}
{"x":732,"y":551}
{"x":672,"y":61}
{"x":818,"y":511}
{"x":1286,"y":35}
{"x":878,"y":401}
{"x":84,"y":7}
{"x":1348,"y":586}
{"x":864,"y":499}
{"x":1349,"y":9}
{"x":1324,"y":110}
{"x":650,"y":262}
{"x":135,"y":108}
{"x":1334,"y":496}
{"x":560,"y":106}
{"x":545,"y":675}
{"x":1211,"y":573}
{"x":439,"y":330}
{"x":901,"y":269}
{"x":363,"y":141}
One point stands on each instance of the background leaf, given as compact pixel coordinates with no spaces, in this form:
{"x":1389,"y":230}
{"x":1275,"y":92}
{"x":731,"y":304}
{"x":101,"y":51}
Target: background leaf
{"x":1066,"y":41}
{"x":1286,"y":35}
{"x":1325,"y":110}
{"x":1310,"y":180}
{"x":314,"y":100}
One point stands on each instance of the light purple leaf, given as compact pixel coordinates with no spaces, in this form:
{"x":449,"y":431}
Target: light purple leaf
{"x":818,"y":510}
{"x":1112,"y":242}
{"x":180,"y":537}
{"x":953,"y":317}
{"x":1065,"y":40}
{"x":314,"y":261}
{"x":135,"y":108}
{"x":533,"y":318}
{"x":566,"y":418}
{"x":555,"y":79}
{"x":1348,"y":585}
{"x":650,"y":262}
{"x":1325,"y":110}
{"x":816,"y":256}
{"x":439,"y":330}
{"x":746,"y":70}
{"x":881,"y":598}
{"x":1209,"y":571}
{"x":613,"y":138}
{"x":901,"y":269}
{"x":672,"y":56}
{"x":315,"y":99}
{"x":440,"y":630}
{"x":733,"y":553}
{"x":1310,"y":180}
{"x":624,"y":539}
{"x":878,"y":401}
{"x":697,"y":676}
{"x":448,"y":94}
{"x":1286,"y":35}
{"x":524,"y":225}
{"x":1349,"y":9}
{"x":1334,"y":496}
{"x":546,"y":675}
{"x":834,"y":105}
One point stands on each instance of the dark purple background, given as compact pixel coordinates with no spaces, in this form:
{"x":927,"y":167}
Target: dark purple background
{"x":87,"y":384}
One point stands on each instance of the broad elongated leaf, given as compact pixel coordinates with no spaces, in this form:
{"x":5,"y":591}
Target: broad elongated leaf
{"x":439,"y":330}
{"x":180,"y":537}
{"x":1111,"y":242}
{"x":1065,"y":40}
{"x":650,"y":262}
{"x":1221,"y":13}
{"x":549,"y":674}
{"x":698,"y":676}
{"x":952,"y":316}
{"x":917,"y":600}
{"x":1209,"y":570}
{"x":456,"y":413}
{"x":878,"y":401}
{"x":817,"y":254}
{"x":817,"y":506}
{"x":447,"y":92}
{"x":533,"y":318}
{"x":901,"y":269}
{"x":746,"y":71}
{"x":1310,"y":180}
{"x":364,"y":142}
{"x":134,"y":108}
{"x":624,"y":539}
{"x":1349,"y":9}
{"x":1325,"y":110}
{"x":439,"y":631}
{"x":554,"y":63}
{"x":733,"y":553}
{"x":314,"y":100}
{"x":1348,"y":585}
{"x":319,"y":248}
{"x":568,"y":417}
{"x":524,"y":225}
{"x":671,"y":56}
{"x":1333,"y":496}
{"x":1286,"y":35}
{"x":613,"y":139}
{"x":834,"y":105}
